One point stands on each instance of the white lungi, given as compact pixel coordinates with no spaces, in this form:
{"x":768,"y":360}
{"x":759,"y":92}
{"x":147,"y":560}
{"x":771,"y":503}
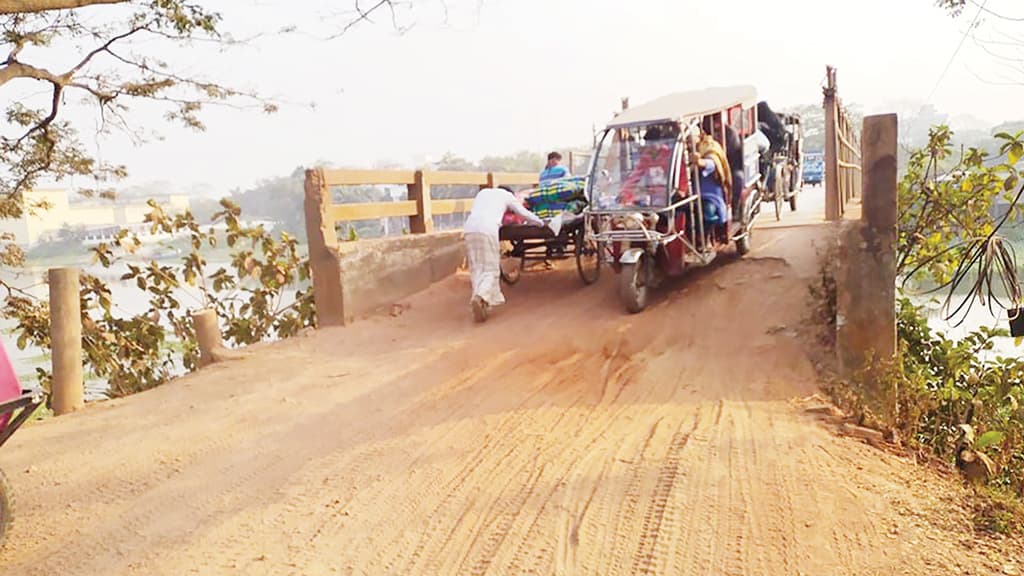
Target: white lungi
{"x":484,"y":255}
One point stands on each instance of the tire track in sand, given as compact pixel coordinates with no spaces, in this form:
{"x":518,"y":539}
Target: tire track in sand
{"x":646,"y":557}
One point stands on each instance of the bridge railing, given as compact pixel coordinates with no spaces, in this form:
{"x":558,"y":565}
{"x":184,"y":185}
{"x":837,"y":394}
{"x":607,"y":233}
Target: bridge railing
{"x":355,"y":277}
{"x":419,"y":206}
{"x":843,"y":172}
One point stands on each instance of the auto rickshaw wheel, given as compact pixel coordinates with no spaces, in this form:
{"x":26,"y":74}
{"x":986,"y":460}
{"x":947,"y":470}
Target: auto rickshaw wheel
{"x":743,"y":244}
{"x":6,"y":506}
{"x":633,"y":285}
{"x":588,"y":260}
{"x":510,"y":265}
{"x":778,"y":191}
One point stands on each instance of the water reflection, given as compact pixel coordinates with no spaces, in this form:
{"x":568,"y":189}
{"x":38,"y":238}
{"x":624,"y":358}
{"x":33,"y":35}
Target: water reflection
{"x":127,"y":301}
{"x":976,"y":317}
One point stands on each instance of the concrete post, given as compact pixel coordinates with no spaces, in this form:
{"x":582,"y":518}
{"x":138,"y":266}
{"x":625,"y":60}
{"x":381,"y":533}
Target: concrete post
{"x":207,"y":335}
{"x":833,"y":205}
{"x":322,"y":237}
{"x":419,"y":192}
{"x":68,"y":387}
{"x":866,"y":283}
{"x":878,"y":145}
{"x":844,"y":158}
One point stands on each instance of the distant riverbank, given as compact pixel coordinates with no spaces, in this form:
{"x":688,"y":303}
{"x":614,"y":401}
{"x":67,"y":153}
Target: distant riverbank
{"x":75,"y":253}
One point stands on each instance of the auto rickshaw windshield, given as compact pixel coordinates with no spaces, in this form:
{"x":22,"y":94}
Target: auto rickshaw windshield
{"x":633,"y":167}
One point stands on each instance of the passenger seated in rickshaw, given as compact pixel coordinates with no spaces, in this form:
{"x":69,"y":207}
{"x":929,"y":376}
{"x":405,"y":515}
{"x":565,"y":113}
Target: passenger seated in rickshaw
{"x":715,"y":177}
{"x":652,"y":166}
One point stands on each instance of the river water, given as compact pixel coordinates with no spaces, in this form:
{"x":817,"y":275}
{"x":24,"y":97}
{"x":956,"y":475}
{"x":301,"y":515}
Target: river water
{"x":967,"y":321}
{"x":127,"y":301}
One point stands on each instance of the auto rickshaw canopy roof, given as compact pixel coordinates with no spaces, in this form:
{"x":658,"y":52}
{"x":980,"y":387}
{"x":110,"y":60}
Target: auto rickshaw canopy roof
{"x":681,"y":105}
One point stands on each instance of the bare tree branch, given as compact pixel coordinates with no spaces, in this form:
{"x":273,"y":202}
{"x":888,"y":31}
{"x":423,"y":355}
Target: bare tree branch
{"x":991,"y":12}
{"x":109,"y":75}
{"x":49,"y":147}
{"x":992,"y":82}
{"x":364,"y":14}
{"x":16,"y":69}
{"x":105,"y":48}
{"x":994,"y":54}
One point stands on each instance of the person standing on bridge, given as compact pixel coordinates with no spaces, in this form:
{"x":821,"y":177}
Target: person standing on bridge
{"x":482,"y":245}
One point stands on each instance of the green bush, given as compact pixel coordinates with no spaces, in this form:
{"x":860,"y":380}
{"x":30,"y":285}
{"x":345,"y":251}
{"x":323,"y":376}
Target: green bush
{"x":139,"y":352}
{"x":947,"y":395}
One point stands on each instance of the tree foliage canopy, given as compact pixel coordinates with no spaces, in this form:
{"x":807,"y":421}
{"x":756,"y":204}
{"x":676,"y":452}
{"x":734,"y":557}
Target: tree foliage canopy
{"x":111,"y":72}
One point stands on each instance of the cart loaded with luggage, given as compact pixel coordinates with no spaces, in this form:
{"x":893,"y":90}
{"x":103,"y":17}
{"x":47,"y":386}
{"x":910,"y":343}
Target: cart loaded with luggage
{"x":523,"y":245}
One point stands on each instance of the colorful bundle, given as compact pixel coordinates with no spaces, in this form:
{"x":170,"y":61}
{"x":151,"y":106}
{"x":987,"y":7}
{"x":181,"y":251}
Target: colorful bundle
{"x":556,"y":196}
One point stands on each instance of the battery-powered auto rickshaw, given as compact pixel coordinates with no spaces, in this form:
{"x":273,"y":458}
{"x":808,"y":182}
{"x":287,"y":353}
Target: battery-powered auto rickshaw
{"x":647,"y":212}
{"x":785,"y":174}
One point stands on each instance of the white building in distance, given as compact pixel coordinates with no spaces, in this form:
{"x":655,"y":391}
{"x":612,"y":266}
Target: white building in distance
{"x":93,"y":220}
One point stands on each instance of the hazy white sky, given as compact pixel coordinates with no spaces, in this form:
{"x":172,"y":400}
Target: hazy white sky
{"x":496,"y":76}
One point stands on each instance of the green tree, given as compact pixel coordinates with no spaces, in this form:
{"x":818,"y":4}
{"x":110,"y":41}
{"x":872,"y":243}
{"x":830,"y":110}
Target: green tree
{"x":110,"y":73}
{"x":116,"y":73}
{"x":947,"y":203}
{"x":954,"y":398}
{"x":279,"y":199}
{"x":263,"y":293}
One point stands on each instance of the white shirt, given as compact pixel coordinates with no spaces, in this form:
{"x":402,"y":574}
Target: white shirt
{"x":760,"y":140}
{"x":489,"y":208}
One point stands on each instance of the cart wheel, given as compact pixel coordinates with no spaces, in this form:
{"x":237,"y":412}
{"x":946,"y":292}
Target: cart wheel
{"x":511,"y":266}
{"x":588,"y":261}
{"x":633,"y":285}
{"x":6,"y":506}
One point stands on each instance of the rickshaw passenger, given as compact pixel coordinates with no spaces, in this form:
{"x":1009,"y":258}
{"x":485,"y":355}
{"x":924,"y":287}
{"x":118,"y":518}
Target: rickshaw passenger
{"x":771,"y":126}
{"x":554,"y":169}
{"x":734,"y":154}
{"x":655,"y":156}
{"x":715,"y":178}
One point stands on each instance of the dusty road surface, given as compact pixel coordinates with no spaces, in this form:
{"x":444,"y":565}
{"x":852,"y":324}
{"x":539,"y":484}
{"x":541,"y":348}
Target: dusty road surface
{"x":562,"y":437}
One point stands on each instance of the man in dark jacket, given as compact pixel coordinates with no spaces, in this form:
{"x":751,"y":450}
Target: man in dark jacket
{"x":734,"y":153}
{"x":772,"y":127}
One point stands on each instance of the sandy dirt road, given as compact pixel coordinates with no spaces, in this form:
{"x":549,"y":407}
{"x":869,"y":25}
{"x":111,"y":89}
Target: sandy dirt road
{"x":562,"y":437}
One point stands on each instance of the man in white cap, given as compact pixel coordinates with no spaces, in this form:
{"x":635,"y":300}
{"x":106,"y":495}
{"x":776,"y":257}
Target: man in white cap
{"x":482,"y":245}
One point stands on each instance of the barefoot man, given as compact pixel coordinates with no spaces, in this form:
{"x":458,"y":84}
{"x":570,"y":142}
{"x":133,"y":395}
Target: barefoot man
{"x":482,"y":248}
